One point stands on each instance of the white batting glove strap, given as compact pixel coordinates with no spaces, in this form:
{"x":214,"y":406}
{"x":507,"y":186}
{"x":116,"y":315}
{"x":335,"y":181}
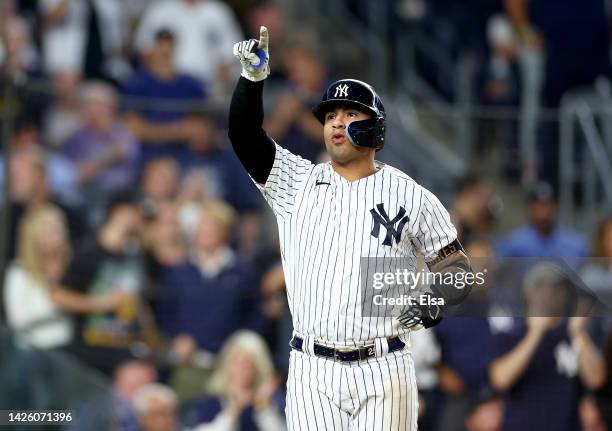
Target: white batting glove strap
{"x":254,"y":68}
{"x":410,"y":318}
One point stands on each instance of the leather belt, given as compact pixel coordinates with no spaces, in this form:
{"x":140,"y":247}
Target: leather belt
{"x":347,"y":355}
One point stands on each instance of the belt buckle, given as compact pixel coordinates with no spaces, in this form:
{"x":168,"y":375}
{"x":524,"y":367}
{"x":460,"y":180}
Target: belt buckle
{"x":337,"y":353}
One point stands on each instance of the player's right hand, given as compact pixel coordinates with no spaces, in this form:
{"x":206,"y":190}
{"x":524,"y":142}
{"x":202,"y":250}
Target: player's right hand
{"x":254,"y":57}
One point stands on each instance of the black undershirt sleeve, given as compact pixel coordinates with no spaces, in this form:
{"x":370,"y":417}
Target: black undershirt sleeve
{"x":252,"y":145}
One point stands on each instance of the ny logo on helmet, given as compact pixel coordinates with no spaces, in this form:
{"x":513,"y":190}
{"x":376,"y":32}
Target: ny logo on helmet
{"x":341,"y":90}
{"x":381,"y":218}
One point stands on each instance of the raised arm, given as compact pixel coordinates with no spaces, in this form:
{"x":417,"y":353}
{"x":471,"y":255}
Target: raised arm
{"x":591,"y":365}
{"x":506,"y":370}
{"x":252,"y":145}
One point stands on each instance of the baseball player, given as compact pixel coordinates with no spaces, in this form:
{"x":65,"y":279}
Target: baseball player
{"x":346,"y":370}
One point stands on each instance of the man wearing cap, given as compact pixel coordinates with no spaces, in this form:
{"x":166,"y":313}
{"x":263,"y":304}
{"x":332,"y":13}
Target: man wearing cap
{"x":348,"y":368}
{"x":542,"y":236}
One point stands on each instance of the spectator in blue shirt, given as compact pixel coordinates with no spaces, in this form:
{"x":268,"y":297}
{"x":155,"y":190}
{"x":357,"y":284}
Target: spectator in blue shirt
{"x":158,"y":100}
{"x":103,"y":151}
{"x":219,"y":167}
{"x":128,"y":378}
{"x":542,"y":236}
{"x":214,"y":293}
{"x":214,"y":172}
{"x":543,"y":362}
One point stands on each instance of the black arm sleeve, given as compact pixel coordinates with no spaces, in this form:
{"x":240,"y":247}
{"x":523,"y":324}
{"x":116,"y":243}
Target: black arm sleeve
{"x":252,"y":145}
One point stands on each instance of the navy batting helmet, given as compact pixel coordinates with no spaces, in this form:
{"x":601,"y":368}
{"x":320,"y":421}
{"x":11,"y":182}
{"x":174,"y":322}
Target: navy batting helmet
{"x":351,"y":92}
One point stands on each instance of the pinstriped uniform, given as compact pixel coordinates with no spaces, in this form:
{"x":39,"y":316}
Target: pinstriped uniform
{"x":326,"y":224}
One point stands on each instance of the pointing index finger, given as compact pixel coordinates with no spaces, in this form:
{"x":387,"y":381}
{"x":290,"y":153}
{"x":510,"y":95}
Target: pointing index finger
{"x":263,"y":38}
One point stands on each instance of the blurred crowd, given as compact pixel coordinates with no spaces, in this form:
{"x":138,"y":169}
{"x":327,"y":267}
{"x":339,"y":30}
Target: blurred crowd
{"x":138,"y":244}
{"x":519,"y":56}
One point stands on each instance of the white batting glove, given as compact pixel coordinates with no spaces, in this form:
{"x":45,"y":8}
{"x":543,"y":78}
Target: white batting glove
{"x":421,"y":316}
{"x":254,"y":57}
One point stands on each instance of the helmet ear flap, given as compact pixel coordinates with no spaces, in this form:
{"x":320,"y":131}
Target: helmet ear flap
{"x":368,"y":133}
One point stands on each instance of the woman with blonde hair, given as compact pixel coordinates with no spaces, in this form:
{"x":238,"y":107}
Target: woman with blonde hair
{"x":36,"y":305}
{"x":43,"y":253}
{"x":242,"y":388}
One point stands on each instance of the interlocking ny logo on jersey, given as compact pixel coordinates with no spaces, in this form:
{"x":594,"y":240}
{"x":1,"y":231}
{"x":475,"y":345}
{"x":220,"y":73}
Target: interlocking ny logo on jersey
{"x":341,"y":90}
{"x":381,"y":218}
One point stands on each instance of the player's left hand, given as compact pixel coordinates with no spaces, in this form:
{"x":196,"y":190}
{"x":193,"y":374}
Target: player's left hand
{"x":254,"y":56}
{"x":421,"y":316}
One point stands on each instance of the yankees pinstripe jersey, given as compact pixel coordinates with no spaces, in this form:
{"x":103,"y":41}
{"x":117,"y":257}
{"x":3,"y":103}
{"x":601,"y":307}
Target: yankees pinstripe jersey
{"x":327,"y":224}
